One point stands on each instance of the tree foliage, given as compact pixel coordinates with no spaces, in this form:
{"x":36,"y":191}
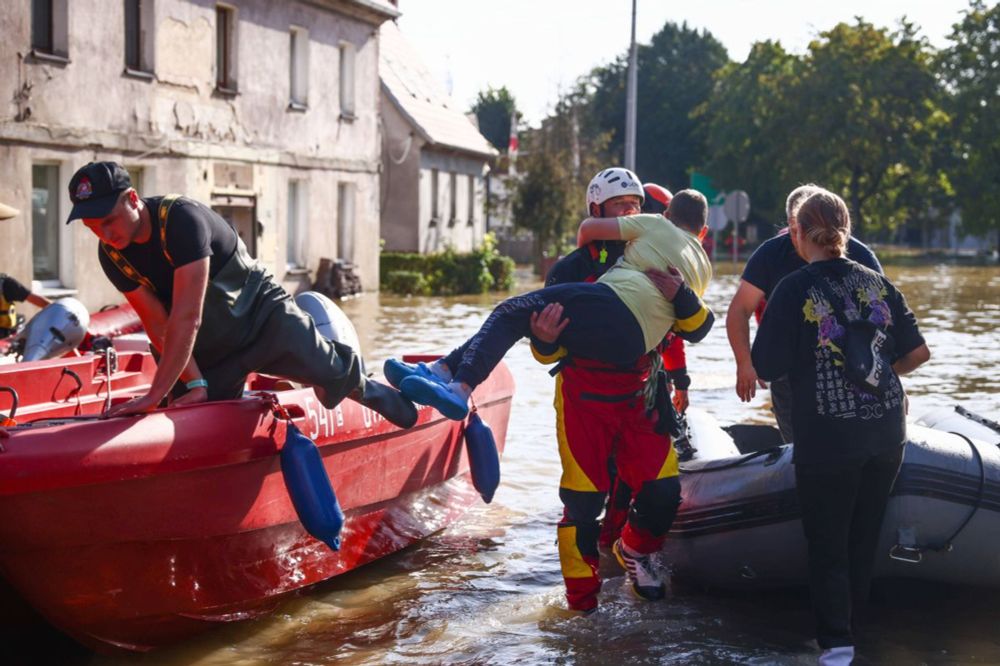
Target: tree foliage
{"x":559,"y":159}
{"x":494,"y":109}
{"x":904,"y":133}
{"x":970,"y":69}
{"x":674,"y":78}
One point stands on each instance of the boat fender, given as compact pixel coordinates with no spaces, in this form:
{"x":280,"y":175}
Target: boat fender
{"x":309,"y":487}
{"x":484,"y":461}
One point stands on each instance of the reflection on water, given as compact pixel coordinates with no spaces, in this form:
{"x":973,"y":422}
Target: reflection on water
{"x":488,"y":589}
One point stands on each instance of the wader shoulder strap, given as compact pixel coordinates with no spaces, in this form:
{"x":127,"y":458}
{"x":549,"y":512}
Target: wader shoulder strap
{"x":163,"y":213}
{"x":127,"y":269}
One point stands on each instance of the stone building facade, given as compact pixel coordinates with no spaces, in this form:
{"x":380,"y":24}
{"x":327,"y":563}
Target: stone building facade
{"x":268,"y":110}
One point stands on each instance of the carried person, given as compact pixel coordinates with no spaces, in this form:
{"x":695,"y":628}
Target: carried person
{"x":212,"y":312}
{"x":615,"y":320}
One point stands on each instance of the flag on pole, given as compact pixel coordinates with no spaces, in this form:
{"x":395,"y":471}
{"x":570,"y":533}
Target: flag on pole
{"x":512,"y":143}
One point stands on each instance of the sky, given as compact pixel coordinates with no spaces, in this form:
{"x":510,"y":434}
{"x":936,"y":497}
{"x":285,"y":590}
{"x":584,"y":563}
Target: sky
{"x":537,"y":48}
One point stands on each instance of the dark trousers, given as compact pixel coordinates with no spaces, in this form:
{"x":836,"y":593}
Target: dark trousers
{"x":287,"y":344}
{"x":781,"y":405}
{"x":842,"y":509}
{"x":601,"y":328}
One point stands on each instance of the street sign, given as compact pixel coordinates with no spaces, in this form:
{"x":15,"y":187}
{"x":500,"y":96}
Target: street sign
{"x":737,"y":206}
{"x":717,"y":220}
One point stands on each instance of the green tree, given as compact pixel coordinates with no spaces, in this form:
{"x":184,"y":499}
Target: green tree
{"x":558,"y":160}
{"x":971,"y":71}
{"x":747,"y":120}
{"x":674,"y":78}
{"x":867,"y":118}
{"x":494,"y":108}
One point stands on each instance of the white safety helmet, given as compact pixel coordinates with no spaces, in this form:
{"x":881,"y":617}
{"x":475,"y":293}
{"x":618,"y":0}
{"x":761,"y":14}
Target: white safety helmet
{"x":613,"y":182}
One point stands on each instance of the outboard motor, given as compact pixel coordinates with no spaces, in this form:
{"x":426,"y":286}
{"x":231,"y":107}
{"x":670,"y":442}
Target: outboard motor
{"x":57,"y":329}
{"x":331,"y":321}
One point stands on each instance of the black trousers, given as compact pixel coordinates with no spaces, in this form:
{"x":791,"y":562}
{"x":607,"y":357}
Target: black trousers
{"x":842,"y":509}
{"x":601,"y":328}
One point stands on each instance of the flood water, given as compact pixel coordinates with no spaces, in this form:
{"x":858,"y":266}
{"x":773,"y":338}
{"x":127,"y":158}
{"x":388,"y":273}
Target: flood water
{"x":488,"y":589}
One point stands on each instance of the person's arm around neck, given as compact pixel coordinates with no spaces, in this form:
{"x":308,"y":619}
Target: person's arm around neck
{"x":598,"y":228}
{"x":741,"y":308}
{"x":172,"y":334}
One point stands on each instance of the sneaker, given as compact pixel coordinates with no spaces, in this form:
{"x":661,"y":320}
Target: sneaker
{"x":838,"y":656}
{"x":437,"y":395}
{"x":396,"y":371}
{"x":646,"y":583}
{"x":390,"y":403}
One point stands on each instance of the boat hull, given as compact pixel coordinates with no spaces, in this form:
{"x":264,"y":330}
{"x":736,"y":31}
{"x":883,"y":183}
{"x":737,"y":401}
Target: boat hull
{"x":739,"y":527}
{"x":136,"y":533}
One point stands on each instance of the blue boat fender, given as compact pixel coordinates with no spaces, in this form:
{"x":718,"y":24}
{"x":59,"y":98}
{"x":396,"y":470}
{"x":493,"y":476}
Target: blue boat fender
{"x":310,"y":489}
{"x":484,"y":460}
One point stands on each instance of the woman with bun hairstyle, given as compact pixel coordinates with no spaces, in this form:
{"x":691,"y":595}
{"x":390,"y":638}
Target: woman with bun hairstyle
{"x":848,"y":441}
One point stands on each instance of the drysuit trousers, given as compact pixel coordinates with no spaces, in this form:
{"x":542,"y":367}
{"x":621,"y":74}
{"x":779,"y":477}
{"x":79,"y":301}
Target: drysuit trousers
{"x":599,"y":416}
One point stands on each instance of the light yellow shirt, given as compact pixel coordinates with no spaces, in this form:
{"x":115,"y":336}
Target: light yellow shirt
{"x":655,"y":242}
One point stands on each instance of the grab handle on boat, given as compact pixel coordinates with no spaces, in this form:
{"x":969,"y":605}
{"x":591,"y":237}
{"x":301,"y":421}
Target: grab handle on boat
{"x":8,"y":420}
{"x":908,"y":554}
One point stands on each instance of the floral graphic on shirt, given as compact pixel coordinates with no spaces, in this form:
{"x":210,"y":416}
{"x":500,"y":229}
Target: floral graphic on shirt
{"x":835,"y":396}
{"x":819,"y":312}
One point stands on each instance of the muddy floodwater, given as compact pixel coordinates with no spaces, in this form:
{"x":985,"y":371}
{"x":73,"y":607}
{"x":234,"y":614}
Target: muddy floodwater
{"x":488,"y":590}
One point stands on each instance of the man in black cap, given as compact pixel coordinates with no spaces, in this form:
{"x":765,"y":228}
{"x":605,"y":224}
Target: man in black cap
{"x":212,"y":311}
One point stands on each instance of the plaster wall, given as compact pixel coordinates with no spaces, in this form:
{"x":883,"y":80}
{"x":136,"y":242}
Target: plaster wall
{"x":185,"y":135}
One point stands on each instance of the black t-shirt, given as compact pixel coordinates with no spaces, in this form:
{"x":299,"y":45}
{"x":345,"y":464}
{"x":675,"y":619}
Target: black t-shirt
{"x":13,"y":291}
{"x":798,"y":336}
{"x":776,"y":258}
{"x":194,"y":231}
{"x":584,"y":263}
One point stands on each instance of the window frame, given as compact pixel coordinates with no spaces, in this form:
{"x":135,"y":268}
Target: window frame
{"x":345,"y":220}
{"x":435,"y":198}
{"x":453,"y":199}
{"x":144,"y":26}
{"x":55,"y":48}
{"x":296,"y":229}
{"x":226,"y":49}
{"x":53,"y":203}
{"x":347,"y":86}
{"x":298,"y":68}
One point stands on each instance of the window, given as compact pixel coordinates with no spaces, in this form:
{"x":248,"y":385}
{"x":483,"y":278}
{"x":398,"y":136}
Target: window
{"x":453,"y":198}
{"x":48,"y":29}
{"x":345,"y":221}
{"x":138,"y":36}
{"x":435,"y":213}
{"x":298,"y":74}
{"x":137,"y":175}
{"x":45,"y":222}
{"x":347,"y":80}
{"x":225,"y":48}
{"x":471,"y":199}
{"x":295,"y":230}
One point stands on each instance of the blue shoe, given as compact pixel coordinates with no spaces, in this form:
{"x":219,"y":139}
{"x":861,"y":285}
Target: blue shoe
{"x":396,"y":371}
{"x":437,"y":395}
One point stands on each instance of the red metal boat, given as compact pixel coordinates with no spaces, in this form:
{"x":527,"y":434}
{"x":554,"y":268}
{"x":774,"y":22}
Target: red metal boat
{"x":137,"y":532}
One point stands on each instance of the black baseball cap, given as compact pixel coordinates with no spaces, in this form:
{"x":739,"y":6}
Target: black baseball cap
{"x":95,"y":188}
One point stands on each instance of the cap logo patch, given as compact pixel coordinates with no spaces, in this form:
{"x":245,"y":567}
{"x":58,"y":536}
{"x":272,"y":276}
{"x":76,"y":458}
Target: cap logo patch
{"x":84,"y":189}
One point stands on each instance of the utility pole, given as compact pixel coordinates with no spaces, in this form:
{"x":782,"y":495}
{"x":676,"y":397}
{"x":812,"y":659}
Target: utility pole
{"x":630,"y":94}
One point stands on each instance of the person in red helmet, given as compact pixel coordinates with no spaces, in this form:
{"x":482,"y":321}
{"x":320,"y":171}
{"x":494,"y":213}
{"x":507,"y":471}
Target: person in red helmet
{"x":606,"y":434}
